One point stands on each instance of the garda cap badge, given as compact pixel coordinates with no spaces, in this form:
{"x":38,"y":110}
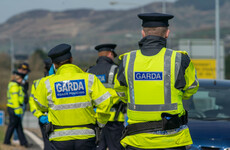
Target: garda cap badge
{"x":148,"y":76}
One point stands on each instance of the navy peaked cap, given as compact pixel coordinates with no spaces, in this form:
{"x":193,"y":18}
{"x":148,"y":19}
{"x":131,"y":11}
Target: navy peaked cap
{"x":24,"y":66}
{"x":155,"y":19}
{"x":106,"y":47}
{"x":48,"y":63}
{"x":60,"y":53}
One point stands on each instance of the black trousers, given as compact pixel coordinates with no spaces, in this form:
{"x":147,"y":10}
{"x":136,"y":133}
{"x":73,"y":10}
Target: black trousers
{"x":174,"y":148}
{"x":46,"y":141}
{"x":87,"y":144}
{"x":15,"y":123}
{"x":111,"y":136}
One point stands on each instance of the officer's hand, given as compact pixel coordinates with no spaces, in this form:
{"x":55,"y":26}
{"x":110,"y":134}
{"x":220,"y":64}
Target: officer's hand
{"x":18,"y":112}
{"x":44,"y":119}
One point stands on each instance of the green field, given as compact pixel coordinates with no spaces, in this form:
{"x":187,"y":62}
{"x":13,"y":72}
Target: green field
{"x":2,"y":134}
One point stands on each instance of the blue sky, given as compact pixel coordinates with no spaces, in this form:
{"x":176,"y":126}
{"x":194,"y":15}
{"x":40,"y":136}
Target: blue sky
{"x":9,"y":8}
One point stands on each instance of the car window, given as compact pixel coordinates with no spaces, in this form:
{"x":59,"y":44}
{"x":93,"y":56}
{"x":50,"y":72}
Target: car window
{"x":209,"y":103}
{"x":204,"y":102}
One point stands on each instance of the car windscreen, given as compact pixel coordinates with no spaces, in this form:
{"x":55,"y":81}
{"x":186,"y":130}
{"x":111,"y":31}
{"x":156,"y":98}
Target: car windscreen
{"x":209,"y":103}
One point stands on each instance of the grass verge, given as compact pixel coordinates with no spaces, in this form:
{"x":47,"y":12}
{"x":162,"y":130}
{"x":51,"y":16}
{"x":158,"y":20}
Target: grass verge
{"x":2,"y":134}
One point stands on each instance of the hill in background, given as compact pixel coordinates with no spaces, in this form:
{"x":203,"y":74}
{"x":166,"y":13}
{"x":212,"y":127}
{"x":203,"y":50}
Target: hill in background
{"x":85,"y":28}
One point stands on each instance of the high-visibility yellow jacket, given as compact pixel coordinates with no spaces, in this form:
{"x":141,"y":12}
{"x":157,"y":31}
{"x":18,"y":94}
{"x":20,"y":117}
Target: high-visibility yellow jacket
{"x":151,"y":91}
{"x":69,"y":97}
{"x":115,"y":100}
{"x":33,"y":108}
{"x":15,"y":97}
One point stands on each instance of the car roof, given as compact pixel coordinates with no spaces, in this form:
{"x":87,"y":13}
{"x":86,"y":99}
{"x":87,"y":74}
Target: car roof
{"x":214,"y":83}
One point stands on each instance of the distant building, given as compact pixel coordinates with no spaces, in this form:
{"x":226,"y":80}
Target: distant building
{"x":20,"y":58}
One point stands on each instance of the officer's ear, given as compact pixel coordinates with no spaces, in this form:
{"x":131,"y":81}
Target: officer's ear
{"x":143,"y":33}
{"x":71,"y":59}
{"x":167,"y":33}
{"x":110,"y":55}
{"x":55,"y":66}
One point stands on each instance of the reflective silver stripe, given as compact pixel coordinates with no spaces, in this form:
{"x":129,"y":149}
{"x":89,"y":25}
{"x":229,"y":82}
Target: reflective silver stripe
{"x":108,"y":85}
{"x":33,"y":111}
{"x":100,"y":124}
{"x":124,"y":62}
{"x":113,"y":109}
{"x":177,"y":64}
{"x":167,"y":82}
{"x":196,"y":79}
{"x":130,"y":76}
{"x":32,"y":95}
{"x":36,"y":83}
{"x":195,"y":83}
{"x":71,"y":106}
{"x":90,"y":82}
{"x":40,"y":105}
{"x":111,"y":74}
{"x":164,"y":107}
{"x":20,"y":95}
{"x":17,"y":107}
{"x":121,"y":94}
{"x":102,"y":98}
{"x":49,"y":96}
{"x":62,"y":133}
{"x":167,"y":76}
{"x":14,"y":93}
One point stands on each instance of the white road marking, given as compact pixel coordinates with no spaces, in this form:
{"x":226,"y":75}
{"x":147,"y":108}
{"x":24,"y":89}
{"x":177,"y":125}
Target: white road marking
{"x":35,"y":138}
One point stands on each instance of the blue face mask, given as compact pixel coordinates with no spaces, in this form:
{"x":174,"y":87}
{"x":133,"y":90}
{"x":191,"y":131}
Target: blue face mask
{"x":26,"y":77}
{"x":52,"y":70}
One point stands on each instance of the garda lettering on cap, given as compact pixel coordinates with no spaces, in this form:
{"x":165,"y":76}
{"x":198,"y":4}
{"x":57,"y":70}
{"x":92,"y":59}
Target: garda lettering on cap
{"x":102,"y":78}
{"x":70,"y":88}
{"x":148,"y":76}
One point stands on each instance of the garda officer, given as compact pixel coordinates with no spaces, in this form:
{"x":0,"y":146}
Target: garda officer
{"x":15,"y":96}
{"x":43,"y":118}
{"x":69,"y":97}
{"x":155,"y":79}
{"x":105,"y":70}
{"x":24,"y":69}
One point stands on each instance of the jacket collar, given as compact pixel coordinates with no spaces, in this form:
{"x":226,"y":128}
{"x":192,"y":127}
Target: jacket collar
{"x":15,"y":82}
{"x":68,"y":68}
{"x":151,"y":45}
{"x":104,"y":59}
